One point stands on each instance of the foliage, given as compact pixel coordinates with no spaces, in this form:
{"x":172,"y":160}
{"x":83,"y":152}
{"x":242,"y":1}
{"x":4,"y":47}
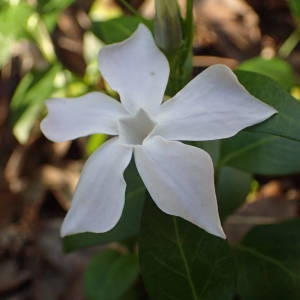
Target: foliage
{"x":175,"y":251}
{"x":9,"y":33}
{"x":110,"y":275}
{"x":177,"y":259}
{"x":276,"y":68}
{"x":116,"y":30}
{"x":268,"y":262}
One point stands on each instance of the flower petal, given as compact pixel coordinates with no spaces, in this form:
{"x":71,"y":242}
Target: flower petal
{"x":137,"y":70}
{"x":212,"y":106}
{"x":99,"y":197}
{"x":76,"y":117}
{"x":180,"y":180}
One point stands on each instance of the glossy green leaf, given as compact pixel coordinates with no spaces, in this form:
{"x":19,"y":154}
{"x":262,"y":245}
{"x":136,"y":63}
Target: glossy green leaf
{"x":275,"y":68}
{"x":110,"y":274}
{"x":180,"y":261}
{"x":261,"y":154}
{"x":232,"y":188}
{"x":271,"y":147}
{"x":268,"y":262}
{"x":28,"y":100}
{"x":129,"y":224}
{"x":116,"y":30}
{"x":286,"y":122}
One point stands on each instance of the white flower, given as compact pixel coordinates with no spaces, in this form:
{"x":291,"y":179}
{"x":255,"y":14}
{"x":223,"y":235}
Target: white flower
{"x":179,"y":178}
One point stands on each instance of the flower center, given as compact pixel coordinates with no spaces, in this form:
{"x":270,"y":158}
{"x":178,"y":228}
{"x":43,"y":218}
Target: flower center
{"x":133,"y":130}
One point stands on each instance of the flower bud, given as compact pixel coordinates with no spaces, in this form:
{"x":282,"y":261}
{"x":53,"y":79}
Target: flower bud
{"x":167,"y":25}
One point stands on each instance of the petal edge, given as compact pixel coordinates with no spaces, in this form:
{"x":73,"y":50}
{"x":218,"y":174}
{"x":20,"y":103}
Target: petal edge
{"x":71,"y":118}
{"x":180,"y":181}
{"x":137,"y":70}
{"x":99,"y":198}
{"x":213,"y":105}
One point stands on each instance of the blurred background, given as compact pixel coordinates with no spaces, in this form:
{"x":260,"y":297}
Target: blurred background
{"x":49,"y":49}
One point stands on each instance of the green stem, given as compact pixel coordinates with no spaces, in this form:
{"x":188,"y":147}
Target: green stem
{"x":181,"y":60}
{"x":130,"y":8}
{"x":290,"y":43}
{"x":189,"y":24}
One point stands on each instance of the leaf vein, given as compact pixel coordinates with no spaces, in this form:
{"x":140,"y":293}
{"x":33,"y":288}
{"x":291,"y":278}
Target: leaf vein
{"x":268,"y":259}
{"x":184,"y":260}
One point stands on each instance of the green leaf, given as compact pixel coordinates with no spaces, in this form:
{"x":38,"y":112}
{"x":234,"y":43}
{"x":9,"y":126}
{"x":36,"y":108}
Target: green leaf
{"x":180,"y":261}
{"x":13,"y":24}
{"x":275,"y":68}
{"x":94,"y":142}
{"x":295,"y":7}
{"x":268,"y":262}
{"x":271,"y":147}
{"x":211,"y":147}
{"x":110,"y":274}
{"x":232,"y":185}
{"x":50,"y":10}
{"x":132,"y":294}
{"x":261,"y":154}
{"x":286,"y":122}
{"x":49,"y":6}
{"x":129,"y":224}
{"x":116,"y":30}
{"x":13,"y":19}
{"x":232,"y":188}
{"x":28,"y":100}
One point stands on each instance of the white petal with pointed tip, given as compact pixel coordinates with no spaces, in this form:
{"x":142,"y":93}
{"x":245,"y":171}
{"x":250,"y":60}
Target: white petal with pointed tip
{"x":213,"y":105}
{"x":76,"y":117}
{"x":180,"y":180}
{"x":137,"y":70}
{"x":100,"y":194}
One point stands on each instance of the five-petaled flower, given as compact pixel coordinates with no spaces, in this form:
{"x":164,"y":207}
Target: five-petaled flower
{"x":179,"y":177}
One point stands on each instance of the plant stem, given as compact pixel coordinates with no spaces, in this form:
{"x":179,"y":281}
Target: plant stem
{"x":290,"y":43}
